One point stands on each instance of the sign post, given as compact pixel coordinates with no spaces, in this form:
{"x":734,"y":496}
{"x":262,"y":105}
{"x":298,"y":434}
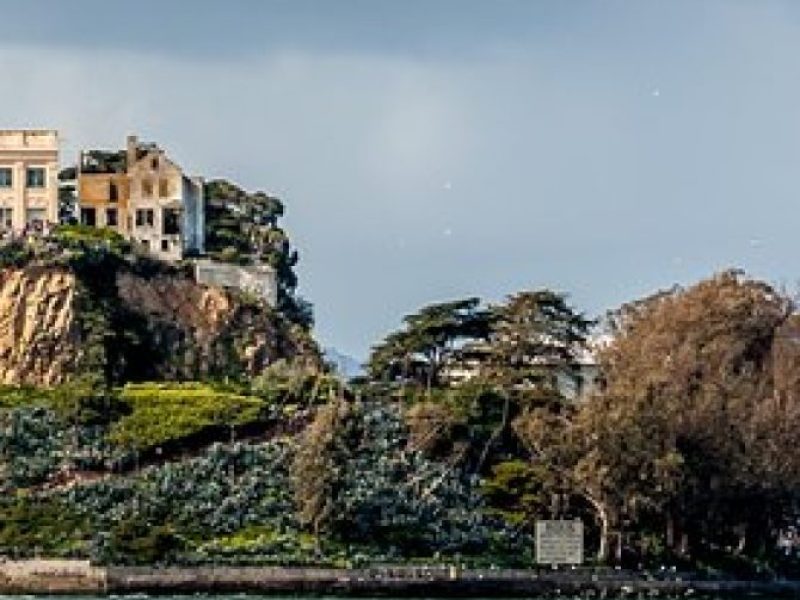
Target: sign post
{"x":559,"y":542}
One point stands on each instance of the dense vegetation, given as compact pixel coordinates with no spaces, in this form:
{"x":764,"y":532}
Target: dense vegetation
{"x":473,"y":422}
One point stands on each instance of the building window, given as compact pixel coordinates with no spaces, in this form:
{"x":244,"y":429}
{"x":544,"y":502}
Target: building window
{"x":146,"y":244}
{"x":6,"y":218}
{"x":88,"y":217}
{"x":171,"y":221}
{"x":165,"y":245}
{"x":154,"y":164}
{"x":111,"y":217}
{"x":147,"y":188}
{"x":163,"y":188}
{"x":113,"y":192}
{"x":35,"y":217}
{"x":34,"y":177}
{"x":145,"y":217}
{"x":6,"y":179}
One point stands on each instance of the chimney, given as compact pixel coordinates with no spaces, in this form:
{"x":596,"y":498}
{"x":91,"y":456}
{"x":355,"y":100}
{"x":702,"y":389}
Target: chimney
{"x":133,"y":142}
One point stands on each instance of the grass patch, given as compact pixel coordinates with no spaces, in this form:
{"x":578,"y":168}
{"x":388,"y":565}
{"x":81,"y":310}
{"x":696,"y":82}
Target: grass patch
{"x":163,"y":412}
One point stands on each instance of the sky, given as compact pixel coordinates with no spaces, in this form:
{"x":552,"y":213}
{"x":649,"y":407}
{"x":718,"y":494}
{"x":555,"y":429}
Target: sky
{"x":437,"y":149}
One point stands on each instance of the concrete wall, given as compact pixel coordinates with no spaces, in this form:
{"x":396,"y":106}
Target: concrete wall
{"x":193,"y":215}
{"x":257,"y":279}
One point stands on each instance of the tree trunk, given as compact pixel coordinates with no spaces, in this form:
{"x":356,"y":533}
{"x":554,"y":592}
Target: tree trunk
{"x":741,"y":544}
{"x":670,"y":533}
{"x":605,"y":527}
{"x":683,"y":549}
{"x":495,"y":435}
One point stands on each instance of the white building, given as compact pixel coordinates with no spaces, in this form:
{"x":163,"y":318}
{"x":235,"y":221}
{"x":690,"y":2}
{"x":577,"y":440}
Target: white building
{"x":28,"y":179}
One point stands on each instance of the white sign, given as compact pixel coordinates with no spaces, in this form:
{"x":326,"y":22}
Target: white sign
{"x":559,"y":542}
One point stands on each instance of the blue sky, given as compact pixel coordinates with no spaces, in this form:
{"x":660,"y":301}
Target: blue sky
{"x":428,"y":150}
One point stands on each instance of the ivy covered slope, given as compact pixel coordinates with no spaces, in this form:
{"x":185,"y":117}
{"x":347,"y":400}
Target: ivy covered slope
{"x":288,"y":468}
{"x":82,"y":302}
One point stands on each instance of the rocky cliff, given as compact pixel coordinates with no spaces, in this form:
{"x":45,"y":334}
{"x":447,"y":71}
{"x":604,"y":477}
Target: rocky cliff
{"x":56,"y":323}
{"x":39,"y":336}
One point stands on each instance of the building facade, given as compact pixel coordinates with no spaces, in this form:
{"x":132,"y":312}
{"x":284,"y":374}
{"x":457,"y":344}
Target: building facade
{"x":28,"y":179}
{"x":145,"y":196}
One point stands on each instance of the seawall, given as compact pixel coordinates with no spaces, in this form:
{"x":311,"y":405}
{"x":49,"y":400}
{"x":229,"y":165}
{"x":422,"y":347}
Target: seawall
{"x":80,"y":577}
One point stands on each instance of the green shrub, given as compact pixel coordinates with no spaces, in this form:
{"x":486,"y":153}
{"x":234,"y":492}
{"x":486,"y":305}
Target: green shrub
{"x":12,"y":396}
{"x":79,"y":237}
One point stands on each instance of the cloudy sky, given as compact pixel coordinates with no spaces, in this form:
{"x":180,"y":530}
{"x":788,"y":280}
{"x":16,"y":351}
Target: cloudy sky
{"x":428,"y":150}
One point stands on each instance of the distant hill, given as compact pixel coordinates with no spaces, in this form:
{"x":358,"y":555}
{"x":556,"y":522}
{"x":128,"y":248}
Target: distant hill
{"x":347,"y":366}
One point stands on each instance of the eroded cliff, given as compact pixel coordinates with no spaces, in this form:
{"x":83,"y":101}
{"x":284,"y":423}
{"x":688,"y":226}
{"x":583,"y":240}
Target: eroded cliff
{"x":56,"y":323}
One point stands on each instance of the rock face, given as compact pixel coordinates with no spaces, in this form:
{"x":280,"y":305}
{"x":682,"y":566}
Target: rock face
{"x":53,"y":326}
{"x":201,"y":330}
{"x":39,"y":337}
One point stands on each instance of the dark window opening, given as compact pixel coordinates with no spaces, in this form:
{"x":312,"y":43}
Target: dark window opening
{"x":171,"y":220}
{"x":6,"y":179}
{"x":111,"y":217}
{"x":113,"y":192}
{"x":145,"y":216}
{"x":165,"y":245}
{"x":89,"y":217}
{"x":155,"y":164}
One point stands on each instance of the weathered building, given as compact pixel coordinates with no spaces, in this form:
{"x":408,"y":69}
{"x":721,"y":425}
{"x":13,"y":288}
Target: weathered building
{"x":145,"y":196}
{"x":28,"y":179}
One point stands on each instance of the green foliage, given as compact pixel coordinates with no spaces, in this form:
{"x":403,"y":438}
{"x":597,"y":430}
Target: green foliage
{"x":163,"y":412}
{"x":242,"y":228}
{"x":428,"y":340}
{"x":536,"y":337}
{"x":12,"y":396}
{"x":519,"y":492}
{"x":356,"y":478}
{"x":134,"y":540}
{"x":295,"y":383}
{"x":91,"y":239}
{"x":86,"y":401}
{"x":34,"y":525}
{"x":16,"y":253}
{"x":262,"y":544}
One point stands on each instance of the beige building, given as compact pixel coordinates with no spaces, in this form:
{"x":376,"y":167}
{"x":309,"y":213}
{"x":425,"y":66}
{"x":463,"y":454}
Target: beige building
{"x":144,"y":195}
{"x":28,"y":179}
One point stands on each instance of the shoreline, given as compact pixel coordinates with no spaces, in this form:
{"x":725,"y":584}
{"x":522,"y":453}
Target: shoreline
{"x":59,"y":577}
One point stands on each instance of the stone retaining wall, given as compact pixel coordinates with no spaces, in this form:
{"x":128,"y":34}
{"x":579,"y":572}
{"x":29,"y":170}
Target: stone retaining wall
{"x":80,"y":577}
